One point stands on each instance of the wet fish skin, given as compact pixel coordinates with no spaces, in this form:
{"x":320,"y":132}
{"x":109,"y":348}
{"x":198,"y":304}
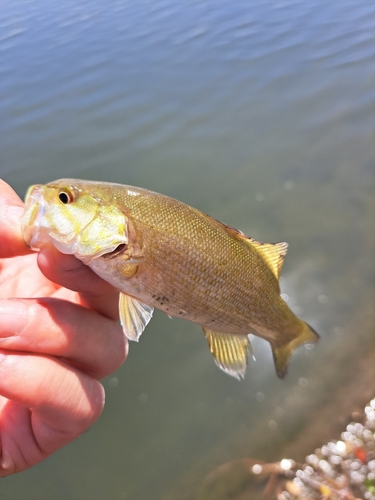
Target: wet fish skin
{"x":160,"y":252}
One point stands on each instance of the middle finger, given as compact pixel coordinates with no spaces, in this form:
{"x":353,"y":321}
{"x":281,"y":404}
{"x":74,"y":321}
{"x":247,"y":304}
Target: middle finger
{"x":90,"y":341}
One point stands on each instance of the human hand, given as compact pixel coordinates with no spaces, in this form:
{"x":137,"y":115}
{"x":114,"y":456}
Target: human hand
{"x":59,"y":334}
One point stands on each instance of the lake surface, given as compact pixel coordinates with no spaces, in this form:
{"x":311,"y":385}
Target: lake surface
{"x":259,"y":113}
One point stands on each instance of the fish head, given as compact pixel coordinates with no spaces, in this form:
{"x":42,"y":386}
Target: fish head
{"x":75,"y":220}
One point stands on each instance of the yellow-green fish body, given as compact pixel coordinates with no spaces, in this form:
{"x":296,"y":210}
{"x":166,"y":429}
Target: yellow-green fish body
{"x":160,"y":252}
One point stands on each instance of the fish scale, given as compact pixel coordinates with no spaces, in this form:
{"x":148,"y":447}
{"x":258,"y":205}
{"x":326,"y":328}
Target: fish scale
{"x":160,"y":252}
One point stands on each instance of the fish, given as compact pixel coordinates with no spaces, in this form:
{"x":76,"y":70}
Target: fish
{"x":162,"y":253}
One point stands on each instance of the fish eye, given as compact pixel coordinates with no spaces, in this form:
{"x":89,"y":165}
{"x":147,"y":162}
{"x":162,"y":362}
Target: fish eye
{"x":66,"y":195}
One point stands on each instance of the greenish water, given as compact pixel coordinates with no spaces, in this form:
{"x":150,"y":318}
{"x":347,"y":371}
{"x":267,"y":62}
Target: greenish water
{"x":260,"y":114}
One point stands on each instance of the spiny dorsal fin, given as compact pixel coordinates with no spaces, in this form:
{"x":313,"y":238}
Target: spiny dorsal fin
{"x":273,"y":253}
{"x":229,"y":351}
{"x":229,"y":229}
{"x":134,"y":316}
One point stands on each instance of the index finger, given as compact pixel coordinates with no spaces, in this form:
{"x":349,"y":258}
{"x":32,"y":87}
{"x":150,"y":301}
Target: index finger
{"x":71,"y":273}
{"x":11,"y":209}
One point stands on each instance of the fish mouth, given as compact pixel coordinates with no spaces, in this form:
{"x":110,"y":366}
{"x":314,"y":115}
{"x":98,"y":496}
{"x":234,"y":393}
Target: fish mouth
{"x":34,"y":233}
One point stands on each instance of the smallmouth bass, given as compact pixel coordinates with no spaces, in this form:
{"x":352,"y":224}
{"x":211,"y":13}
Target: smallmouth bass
{"x":160,"y":252}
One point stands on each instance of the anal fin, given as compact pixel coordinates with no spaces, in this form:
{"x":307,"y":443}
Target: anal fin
{"x":229,"y":351}
{"x":134,"y":316}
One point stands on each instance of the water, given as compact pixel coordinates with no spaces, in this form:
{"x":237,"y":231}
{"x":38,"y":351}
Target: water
{"x":261,"y":114}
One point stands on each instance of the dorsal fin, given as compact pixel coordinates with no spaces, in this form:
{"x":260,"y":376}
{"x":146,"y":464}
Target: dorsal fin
{"x":227,"y":228}
{"x":273,"y":253}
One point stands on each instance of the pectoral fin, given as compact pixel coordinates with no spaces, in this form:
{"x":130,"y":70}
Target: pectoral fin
{"x":134,"y":316}
{"x":229,"y":351}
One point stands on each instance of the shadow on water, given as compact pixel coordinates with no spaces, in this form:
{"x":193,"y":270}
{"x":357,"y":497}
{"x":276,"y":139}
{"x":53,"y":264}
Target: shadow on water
{"x":261,"y":116}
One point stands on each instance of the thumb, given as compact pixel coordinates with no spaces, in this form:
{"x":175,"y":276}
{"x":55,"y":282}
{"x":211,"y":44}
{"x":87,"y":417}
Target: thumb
{"x":11,"y":209}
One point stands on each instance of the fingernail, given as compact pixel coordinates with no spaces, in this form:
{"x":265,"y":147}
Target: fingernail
{"x":13,"y":214}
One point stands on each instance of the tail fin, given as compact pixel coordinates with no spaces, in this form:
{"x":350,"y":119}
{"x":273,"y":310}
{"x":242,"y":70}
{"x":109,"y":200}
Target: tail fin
{"x":281,"y":354}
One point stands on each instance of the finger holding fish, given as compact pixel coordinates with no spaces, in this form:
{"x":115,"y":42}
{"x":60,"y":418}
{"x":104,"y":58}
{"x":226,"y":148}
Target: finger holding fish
{"x":49,"y":326}
{"x":11,"y":209}
{"x":71,"y":274}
